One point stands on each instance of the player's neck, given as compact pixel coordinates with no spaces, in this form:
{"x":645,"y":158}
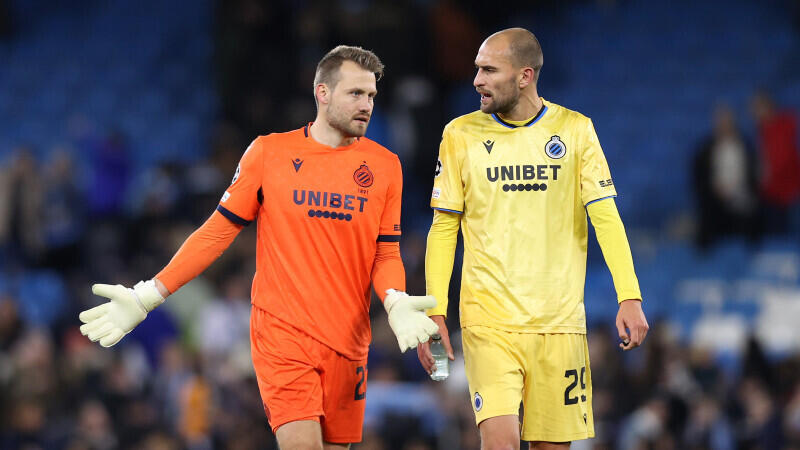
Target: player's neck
{"x":327,"y":135}
{"x":527,"y":107}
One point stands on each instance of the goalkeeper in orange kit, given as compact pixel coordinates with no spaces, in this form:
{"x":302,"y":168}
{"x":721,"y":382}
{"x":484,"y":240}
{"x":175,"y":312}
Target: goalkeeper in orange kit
{"x":327,"y":204}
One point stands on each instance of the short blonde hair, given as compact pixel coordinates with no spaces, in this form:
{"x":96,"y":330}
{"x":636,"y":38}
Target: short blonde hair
{"x":328,"y":67}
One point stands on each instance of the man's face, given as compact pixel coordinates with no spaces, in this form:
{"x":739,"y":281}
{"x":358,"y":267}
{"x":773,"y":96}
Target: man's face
{"x":351,"y":101}
{"x":496,"y":79}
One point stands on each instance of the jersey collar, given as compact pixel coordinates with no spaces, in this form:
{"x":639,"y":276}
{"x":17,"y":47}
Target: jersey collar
{"x":535,"y":119}
{"x":310,"y":138}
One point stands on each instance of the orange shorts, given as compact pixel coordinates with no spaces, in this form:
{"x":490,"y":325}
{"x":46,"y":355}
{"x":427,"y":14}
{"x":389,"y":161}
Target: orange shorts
{"x":302,"y":379}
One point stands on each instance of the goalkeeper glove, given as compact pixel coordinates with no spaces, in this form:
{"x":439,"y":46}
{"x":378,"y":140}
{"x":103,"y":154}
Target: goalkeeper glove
{"x":127,"y":307}
{"x":408,"y":319}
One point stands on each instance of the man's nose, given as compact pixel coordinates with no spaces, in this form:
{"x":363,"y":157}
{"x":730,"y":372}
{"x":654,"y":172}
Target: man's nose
{"x":478,"y":80}
{"x":366,"y":105}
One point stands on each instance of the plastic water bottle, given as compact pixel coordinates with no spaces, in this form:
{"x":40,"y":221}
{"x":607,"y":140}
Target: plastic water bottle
{"x":441,"y":367}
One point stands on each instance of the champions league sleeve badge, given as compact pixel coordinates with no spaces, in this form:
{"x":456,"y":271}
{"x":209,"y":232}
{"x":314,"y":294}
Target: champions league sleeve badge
{"x":555,"y":148}
{"x":236,"y":174}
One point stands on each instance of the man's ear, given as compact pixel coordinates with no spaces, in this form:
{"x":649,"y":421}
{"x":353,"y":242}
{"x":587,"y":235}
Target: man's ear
{"x":526,"y":77}
{"x":322,"y":94}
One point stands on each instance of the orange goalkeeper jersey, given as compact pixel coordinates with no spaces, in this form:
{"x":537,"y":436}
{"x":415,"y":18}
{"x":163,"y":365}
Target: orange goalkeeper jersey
{"x":320,"y":212}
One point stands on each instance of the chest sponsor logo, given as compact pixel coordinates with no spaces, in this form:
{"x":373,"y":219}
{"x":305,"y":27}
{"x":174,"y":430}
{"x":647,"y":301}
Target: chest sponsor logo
{"x":329,"y":205}
{"x":514,"y":175}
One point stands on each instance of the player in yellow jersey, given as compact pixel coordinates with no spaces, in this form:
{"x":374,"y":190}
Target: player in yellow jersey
{"x":519,"y":177}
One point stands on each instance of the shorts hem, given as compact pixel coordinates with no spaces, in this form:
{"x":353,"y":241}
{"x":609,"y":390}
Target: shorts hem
{"x":497,"y":413}
{"x":342,"y":440}
{"x":283,"y":422}
{"x":567,"y":438}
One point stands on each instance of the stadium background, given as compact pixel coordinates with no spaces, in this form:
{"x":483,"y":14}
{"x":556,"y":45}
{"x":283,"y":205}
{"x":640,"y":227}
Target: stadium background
{"x":121,"y":124}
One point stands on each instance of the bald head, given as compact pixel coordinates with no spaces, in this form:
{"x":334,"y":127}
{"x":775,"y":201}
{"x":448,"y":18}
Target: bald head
{"x":523,"y":48}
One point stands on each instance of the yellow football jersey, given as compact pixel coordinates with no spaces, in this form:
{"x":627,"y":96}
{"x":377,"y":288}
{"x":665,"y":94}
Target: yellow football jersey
{"x":522,"y":191}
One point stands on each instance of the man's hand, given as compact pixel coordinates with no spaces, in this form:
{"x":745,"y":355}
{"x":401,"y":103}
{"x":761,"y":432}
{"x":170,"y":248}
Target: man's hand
{"x":424,"y":349}
{"x":630,"y":318}
{"x":111,"y":321}
{"x":407,"y":318}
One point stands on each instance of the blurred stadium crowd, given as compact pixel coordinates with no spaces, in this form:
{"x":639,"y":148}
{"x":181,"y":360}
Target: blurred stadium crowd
{"x":121,"y":124}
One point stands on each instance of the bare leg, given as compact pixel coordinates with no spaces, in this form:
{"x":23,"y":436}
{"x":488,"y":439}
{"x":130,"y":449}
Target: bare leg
{"x":500,"y":433}
{"x":300,"y":435}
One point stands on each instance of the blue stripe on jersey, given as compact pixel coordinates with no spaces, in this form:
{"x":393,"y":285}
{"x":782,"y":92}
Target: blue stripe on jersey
{"x":535,"y":119}
{"x":602,"y":198}
{"x":538,"y":116}
{"x":449,"y":210}
{"x":389,"y":238}
{"x":498,"y":120}
{"x":232,"y":217}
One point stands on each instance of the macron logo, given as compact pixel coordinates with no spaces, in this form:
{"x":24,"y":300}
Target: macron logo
{"x":297,"y":163}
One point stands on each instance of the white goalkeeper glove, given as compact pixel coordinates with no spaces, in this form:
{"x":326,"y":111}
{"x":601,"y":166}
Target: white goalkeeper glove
{"x":111,"y":321}
{"x":408,"y":319}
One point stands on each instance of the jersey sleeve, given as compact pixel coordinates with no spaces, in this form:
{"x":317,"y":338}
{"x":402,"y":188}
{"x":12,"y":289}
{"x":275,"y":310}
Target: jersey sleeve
{"x":440,"y":254}
{"x":241,"y":200}
{"x":389,"y":230}
{"x":202,"y":248}
{"x":616,"y":250}
{"x":596,"y":182}
{"x":448,"y":189}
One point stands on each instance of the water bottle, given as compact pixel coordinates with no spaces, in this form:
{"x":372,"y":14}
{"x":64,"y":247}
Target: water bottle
{"x":441,"y":367}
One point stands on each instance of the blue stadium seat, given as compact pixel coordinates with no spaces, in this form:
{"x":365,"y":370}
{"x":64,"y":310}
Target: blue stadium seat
{"x":42,"y":297}
{"x":88,"y":74}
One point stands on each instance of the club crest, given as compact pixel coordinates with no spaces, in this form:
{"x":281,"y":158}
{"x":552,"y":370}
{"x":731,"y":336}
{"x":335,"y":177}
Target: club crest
{"x":363,"y":176}
{"x":555,"y":148}
{"x":477,"y":401}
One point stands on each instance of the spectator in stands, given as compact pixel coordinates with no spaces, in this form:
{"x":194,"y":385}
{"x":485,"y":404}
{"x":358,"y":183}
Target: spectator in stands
{"x":725,"y":182}
{"x":780,"y":161}
{"x":94,"y":428}
{"x":62,"y":213}
{"x":646,"y":426}
{"x":223,"y":328}
{"x":20,"y":205}
{"x":791,"y":417}
{"x":759,"y":424}
{"x":708,"y":427}
{"x":111,"y":172}
{"x":25,"y":424}
{"x":11,"y":326}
